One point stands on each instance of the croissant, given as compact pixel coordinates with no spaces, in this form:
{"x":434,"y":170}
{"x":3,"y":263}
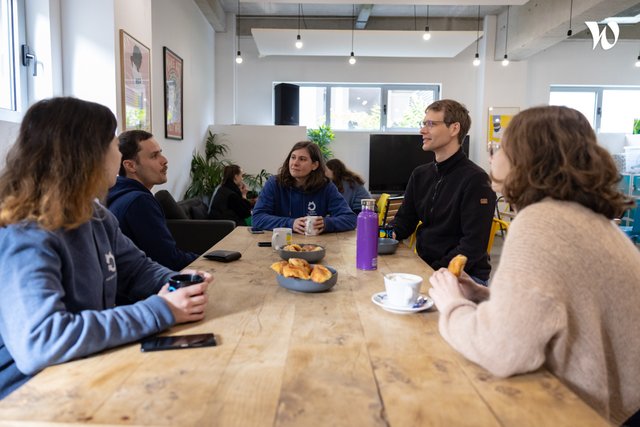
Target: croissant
{"x":277,"y":266}
{"x":456,"y":265}
{"x":295,"y":271}
{"x":320,"y":274}
{"x":299,"y":262}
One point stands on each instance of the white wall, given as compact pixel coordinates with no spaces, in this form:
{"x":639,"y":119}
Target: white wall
{"x":182,"y":27}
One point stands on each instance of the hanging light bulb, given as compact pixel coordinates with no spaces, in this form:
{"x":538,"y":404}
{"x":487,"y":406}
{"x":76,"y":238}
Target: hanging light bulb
{"x":476,"y":59}
{"x":238,"y":58}
{"x":298,"y":38}
{"x":570,"y":32}
{"x":505,"y":61}
{"x":352,"y":59}
{"x":427,"y":33}
{"x":238,"y":55}
{"x":638,"y":61}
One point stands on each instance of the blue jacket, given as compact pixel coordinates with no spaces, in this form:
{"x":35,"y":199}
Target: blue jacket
{"x":279,"y":206}
{"x":59,"y":293}
{"x":354,"y":193}
{"x":142,"y":220}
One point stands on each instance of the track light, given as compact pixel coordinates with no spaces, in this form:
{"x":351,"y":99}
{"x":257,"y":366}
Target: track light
{"x":352,"y":59}
{"x":427,"y":33}
{"x":505,"y":61}
{"x":238,"y":58}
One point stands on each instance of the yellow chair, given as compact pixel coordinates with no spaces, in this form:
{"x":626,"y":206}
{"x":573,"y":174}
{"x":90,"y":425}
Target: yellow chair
{"x":381,"y":204}
{"x":412,"y":238}
{"x":495,"y":225}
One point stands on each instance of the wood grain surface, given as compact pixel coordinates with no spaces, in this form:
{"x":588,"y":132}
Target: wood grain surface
{"x":296,"y":359}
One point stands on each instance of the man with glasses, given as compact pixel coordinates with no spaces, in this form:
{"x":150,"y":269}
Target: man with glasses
{"x":452,"y":196}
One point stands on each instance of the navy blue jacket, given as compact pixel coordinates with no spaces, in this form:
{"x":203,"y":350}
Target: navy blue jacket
{"x":142,"y":220}
{"x":279,"y":206}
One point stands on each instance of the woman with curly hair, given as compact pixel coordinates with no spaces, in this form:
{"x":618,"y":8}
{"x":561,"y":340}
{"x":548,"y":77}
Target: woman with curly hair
{"x":566,"y":294}
{"x":349,"y":183}
{"x":299,"y":190}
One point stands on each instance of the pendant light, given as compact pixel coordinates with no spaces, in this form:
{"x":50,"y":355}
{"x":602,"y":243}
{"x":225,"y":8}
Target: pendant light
{"x":638,"y":62}
{"x":427,"y":33}
{"x":352,"y":58}
{"x":238,"y":54}
{"x":570,"y":13}
{"x":505,"y":61}
{"x":298,"y":38}
{"x":476,"y":59}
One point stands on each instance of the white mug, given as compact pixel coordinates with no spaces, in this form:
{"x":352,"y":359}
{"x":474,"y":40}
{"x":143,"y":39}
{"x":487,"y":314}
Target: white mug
{"x":403,"y":289}
{"x":281,"y":237}
{"x":309,"y":229}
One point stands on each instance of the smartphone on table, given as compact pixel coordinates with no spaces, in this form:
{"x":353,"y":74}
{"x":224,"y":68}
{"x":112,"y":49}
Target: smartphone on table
{"x":176,"y":342}
{"x":254,"y":230}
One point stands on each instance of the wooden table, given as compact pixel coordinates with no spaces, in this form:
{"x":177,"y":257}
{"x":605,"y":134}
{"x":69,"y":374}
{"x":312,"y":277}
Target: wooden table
{"x":287,"y":358}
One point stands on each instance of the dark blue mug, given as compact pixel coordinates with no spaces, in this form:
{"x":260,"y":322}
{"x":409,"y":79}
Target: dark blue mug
{"x":183,"y":280}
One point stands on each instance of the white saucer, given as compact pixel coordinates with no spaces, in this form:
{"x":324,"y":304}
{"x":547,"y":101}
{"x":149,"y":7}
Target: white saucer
{"x":424,"y":303}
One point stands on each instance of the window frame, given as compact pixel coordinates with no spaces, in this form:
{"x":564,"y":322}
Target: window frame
{"x":20,"y":88}
{"x":384,"y":90}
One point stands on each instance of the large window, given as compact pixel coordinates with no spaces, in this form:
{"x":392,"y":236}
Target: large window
{"x":365,"y":106}
{"x":608,"y":109}
{"x":12,"y":89}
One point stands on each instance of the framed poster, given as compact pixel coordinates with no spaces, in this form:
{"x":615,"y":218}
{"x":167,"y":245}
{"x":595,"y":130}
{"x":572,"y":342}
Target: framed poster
{"x":172,"y":95}
{"x":135,"y":72}
{"x":499,"y":118}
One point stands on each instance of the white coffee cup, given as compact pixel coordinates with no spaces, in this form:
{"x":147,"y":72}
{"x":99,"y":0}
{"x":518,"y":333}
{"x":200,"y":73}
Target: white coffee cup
{"x":281,"y":237}
{"x":309,"y":229}
{"x":403,"y":289}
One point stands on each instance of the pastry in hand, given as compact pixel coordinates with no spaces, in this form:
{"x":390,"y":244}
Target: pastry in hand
{"x":295,"y":271}
{"x":320,"y":273}
{"x":277,"y":266}
{"x":456,"y":265}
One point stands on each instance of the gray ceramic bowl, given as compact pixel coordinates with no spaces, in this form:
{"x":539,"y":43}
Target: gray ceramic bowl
{"x":308,"y":286}
{"x":310,"y":257}
{"x":387,"y":246}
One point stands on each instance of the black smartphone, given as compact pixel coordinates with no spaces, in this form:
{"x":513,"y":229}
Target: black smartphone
{"x":177,"y":342}
{"x":264,"y":244}
{"x":222,"y":255}
{"x":255,"y":230}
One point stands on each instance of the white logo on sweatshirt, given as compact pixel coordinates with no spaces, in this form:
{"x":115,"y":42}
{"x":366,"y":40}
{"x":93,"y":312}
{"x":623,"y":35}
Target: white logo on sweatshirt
{"x":311,"y":208}
{"x":111,"y":261}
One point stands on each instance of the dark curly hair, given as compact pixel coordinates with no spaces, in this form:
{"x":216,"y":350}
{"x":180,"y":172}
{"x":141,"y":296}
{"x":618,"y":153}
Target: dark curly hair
{"x":342,"y":173}
{"x":554,"y":153}
{"x":316,"y":179}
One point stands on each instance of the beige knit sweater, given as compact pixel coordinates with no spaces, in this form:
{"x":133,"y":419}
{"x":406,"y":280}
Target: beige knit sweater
{"x":566,"y":295}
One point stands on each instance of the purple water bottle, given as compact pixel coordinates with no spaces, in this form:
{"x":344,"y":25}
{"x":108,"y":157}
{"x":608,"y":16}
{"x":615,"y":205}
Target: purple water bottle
{"x":367,"y":237}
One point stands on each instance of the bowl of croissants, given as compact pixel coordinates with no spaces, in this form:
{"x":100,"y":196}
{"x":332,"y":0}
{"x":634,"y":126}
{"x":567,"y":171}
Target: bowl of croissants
{"x":297,"y":274}
{"x":310,"y":253}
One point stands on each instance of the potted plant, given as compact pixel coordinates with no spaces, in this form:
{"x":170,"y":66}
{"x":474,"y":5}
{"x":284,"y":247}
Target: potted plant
{"x":323,"y":137}
{"x":255,"y":183}
{"x":206,"y":171}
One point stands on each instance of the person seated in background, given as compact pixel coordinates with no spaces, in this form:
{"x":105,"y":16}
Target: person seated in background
{"x":566,"y":294}
{"x":230,"y":198}
{"x":452,"y":196}
{"x":299,"y":190}
{"x":349,"y":184}
{"x":64,"y":259}
{"x":139,"y":213}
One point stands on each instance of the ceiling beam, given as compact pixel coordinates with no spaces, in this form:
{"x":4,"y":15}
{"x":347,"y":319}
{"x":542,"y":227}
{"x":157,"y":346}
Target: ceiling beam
{"x":213,"y":11}
{"x":363,"y":16}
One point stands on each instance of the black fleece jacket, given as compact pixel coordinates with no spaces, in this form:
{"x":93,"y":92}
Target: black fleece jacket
{"x":455,"y":203}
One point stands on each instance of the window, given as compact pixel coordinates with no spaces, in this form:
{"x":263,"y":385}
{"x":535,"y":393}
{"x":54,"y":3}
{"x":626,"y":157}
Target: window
{"x":608,"y":109}
{"x":12,"y":91}
{"x":365,"y":106}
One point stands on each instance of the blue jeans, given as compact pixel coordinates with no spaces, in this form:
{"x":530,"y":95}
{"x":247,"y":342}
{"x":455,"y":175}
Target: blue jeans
{"x":480,"y":281}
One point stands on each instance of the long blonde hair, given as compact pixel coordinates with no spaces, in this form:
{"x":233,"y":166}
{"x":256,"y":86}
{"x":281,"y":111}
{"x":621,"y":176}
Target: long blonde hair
{"x":56,"y":168}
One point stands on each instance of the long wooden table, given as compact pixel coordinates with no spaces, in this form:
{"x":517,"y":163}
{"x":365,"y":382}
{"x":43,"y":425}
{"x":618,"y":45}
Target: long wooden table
{"x":287,"y":358}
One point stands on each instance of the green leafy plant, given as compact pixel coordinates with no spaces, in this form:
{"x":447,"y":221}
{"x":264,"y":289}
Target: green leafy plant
{"x":206,"y":171}
{"x":636,"y":126}
{"x":323,"y":137}
{"x":255,"y":182}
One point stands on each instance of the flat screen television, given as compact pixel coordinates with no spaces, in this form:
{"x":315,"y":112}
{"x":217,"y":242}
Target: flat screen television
{"x":392,"y":158}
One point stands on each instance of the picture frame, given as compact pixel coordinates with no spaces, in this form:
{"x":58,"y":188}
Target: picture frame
{"x":173,"y":94}
{"x":135,"y":74}
{"x":498,"y":120}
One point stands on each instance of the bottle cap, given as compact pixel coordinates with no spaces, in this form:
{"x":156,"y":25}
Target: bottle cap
{"x":368,"y":203}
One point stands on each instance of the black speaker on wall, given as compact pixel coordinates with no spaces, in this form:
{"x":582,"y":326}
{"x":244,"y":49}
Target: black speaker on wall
{"x":287,"y":99}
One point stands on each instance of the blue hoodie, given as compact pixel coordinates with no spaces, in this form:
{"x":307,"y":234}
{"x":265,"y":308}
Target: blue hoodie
{"x":59,"y":293}
{"x":142,"y":220}
{"x":279,"y":206}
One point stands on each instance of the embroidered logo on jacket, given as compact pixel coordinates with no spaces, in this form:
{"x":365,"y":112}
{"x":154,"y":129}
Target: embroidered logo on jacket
{"x":111,"y":261}
{"x":311,"y":208}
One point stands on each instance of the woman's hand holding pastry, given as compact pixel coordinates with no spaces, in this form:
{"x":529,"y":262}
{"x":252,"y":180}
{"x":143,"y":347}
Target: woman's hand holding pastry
{"x":445,"y":288}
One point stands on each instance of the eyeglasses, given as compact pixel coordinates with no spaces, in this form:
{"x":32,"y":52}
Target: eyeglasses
{"x":494,"y":147}
{"x":431,"y":123}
